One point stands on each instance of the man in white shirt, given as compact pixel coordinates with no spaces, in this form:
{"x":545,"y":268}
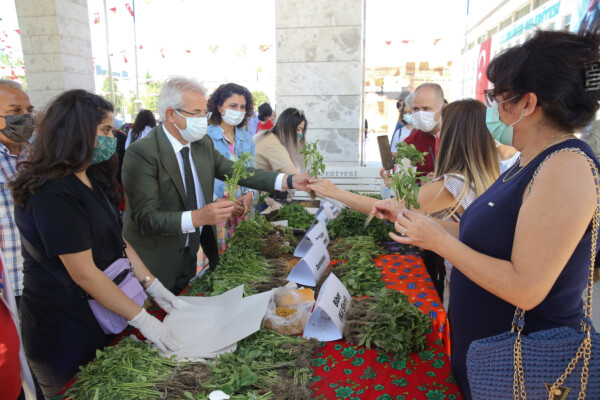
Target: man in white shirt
{"x":168,"y":179}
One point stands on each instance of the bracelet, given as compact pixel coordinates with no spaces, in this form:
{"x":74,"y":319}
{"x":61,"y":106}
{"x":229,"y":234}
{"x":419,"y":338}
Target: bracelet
{"x":290,"y":183}
{"x":145,"y":281}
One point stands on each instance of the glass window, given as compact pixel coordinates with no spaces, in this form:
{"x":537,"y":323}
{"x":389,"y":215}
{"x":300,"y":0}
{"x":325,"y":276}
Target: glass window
{"x":522,"y":12}
{"x":538,"y":3}
{"x":506,"y":23}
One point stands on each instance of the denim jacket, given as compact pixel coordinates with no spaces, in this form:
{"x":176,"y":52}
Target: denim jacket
{"x":243,"y":144}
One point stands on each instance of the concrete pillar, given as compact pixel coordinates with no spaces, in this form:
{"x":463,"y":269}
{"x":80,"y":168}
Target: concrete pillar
{"x":57,"y":48}
{"x":320,"y":70}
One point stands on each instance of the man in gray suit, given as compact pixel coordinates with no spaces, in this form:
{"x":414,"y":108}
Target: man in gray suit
{"x":168,"y":178}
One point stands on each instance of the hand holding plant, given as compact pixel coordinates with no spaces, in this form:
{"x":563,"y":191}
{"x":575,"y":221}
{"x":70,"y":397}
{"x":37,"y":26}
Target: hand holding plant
{"x":239,"y":172}
{"x":313,"y":162}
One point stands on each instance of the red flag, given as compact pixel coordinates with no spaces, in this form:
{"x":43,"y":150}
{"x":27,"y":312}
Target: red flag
{"x":141,"y":47}
{"x":482,"y":63}
{"x":114,"y":9}
{"x":5,"y":35}
{"x":264,"y":47}
{"x":96,"y":18}
{"x":406,"y":41}
{"x":188,"y":51}
{"x":124,"y":56}
{"x":18,"y":31}
{"x":13,"y":76}
{"x":388,"y":42}
{"x":162,"y":52}
{"x":436,"y":41}
{"x":129,"y":9}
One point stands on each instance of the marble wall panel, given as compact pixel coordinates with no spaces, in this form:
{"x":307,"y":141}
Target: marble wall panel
{"x":319,"y":78}
{"x":325,"y":112}
{"x":336,"y":145}
{"x":319,"y":44}
{"x":311,"y":13}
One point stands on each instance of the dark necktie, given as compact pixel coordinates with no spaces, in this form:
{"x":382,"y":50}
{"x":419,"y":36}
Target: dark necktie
{"x":190,"y":193}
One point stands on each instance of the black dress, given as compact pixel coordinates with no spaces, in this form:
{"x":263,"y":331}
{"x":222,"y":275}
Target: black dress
{"x":59,"y":330}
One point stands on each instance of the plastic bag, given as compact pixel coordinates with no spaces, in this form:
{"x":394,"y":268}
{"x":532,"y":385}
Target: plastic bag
{"x":288,"y":310}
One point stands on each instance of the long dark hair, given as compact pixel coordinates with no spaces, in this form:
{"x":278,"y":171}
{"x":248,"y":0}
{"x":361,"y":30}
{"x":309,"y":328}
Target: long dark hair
{"x":285,"y":130}
{"x":553,"y":65}
{"x":223,"y":92}
{"x":144,"y":118}
{"x":63,"y":145}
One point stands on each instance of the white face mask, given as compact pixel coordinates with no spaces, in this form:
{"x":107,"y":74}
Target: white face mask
{"x":233,"y":117}
{"x":196,"y":128}
{"x":425,"y":120}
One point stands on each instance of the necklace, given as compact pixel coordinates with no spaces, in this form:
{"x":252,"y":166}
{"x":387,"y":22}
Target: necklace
{"x":508,"y":177}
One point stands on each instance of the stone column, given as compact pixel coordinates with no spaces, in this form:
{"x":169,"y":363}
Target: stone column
{"x":320,"y":70}
{"x":57,"y":48}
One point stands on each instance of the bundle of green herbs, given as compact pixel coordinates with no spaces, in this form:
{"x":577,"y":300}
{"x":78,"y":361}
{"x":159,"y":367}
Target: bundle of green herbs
{"x":352,"y":223}
{"x":313,"y":162}
{"x":296,"y":216}
{"x":239,"y":172}
{"x":388,"y":322}
{"x":406,"y":180}
{"x":128,"y":371}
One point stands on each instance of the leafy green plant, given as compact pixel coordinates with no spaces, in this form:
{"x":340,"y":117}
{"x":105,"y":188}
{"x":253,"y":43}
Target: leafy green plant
{"x":239,"y":172}
{"x":406,"y":180}
{"x":410,"y":152}
{"x":352,"y":223}
{"x":296,"y":215}
{"x":388,"y":322}
{"x":313,"y":160}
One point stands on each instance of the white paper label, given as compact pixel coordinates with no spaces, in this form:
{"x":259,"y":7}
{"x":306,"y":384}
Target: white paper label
{"x":316,"y":233}
{"x":327,"y":320}
{"x":331,"y":209}
{"x":322,"y":216}
{"x":309,"y":269}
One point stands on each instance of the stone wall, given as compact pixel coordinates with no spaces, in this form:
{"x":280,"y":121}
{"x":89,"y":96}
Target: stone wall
{"x":320,"y":70}
{"x":55,"y":35}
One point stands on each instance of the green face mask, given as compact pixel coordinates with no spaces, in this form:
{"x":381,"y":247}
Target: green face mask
{"x":105,"y":149}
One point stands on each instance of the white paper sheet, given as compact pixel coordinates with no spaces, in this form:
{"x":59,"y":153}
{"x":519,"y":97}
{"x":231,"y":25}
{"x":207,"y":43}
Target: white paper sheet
{"x":316,"y":233}
{"x":327,"y":320}
{"x":309,"y":269}
{"x":208,"y":326}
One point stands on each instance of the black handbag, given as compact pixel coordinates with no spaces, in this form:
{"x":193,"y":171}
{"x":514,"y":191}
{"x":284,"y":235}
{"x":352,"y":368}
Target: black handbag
{"x":545,"y":364}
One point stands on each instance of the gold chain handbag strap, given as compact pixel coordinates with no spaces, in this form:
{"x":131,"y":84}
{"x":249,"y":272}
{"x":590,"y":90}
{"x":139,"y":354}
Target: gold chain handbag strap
{"x":555,"y":391}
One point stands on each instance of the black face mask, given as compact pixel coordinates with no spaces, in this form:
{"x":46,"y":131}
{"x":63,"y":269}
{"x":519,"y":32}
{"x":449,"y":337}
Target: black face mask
{"x":19,"y":128}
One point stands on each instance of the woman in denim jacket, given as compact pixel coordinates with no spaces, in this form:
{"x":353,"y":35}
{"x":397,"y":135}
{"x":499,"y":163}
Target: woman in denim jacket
{"x":231,"y":106}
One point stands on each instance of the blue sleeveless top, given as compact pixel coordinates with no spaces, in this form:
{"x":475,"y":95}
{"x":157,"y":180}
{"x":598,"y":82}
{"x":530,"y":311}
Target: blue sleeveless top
{"x":488,"y":226}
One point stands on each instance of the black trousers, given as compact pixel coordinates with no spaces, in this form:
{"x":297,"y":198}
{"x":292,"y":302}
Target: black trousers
{"x":435,"y":266}
{"x":55,"y":356}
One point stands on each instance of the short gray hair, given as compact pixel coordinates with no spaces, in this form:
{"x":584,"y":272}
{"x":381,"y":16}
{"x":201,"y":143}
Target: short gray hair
{"x":408,"y":100}
{"x":439,"y":92}
{"x":171,"y":94}
{"x":10,"y":84}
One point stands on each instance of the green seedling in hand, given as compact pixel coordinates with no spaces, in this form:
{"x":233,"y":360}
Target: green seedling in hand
{"x":239,"y":172}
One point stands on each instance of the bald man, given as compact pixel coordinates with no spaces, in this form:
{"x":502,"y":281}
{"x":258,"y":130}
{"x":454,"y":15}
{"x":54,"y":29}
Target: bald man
{"x":16,"y":128}
{"x":428,"y":101}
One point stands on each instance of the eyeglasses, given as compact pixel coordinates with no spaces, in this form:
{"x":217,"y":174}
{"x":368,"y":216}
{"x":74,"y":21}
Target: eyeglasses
{"x":199,"y":115}
{"x":490,"y":98}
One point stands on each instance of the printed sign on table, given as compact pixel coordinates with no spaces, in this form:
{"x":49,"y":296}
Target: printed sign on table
{"x":316,"y":233}
{"x":327,"y":320}
{"x":331,"y":209}
{"x":309,"y":269}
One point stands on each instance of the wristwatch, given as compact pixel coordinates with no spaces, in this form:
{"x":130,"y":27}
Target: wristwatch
{"x":290,"y":183}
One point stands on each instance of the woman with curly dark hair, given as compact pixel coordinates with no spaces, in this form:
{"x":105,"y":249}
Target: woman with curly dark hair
{"x":70,"y":234}
{"x":144,"y":122}
{"x":231,"y":106}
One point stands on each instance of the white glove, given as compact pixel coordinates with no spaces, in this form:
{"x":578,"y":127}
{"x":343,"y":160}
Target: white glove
{"x":163,"y":297}
{"x":155,"y":331}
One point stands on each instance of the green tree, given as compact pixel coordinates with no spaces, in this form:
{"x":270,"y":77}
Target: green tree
{"x":119,"y":97}
{"x":259,"y":98}
{"x":152,"y":90}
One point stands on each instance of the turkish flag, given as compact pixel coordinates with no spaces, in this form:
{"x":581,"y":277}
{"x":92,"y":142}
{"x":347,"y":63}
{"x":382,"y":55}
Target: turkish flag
{"x":129,"y":9}
{"x":113,"y":9}
{"x":96,"y":18}
{"x":482,"y":64}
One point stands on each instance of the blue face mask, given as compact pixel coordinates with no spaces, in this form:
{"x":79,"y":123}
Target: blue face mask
{"x":300,"y":136}
{"x":499,"y":130}
{"x":407,"y":118}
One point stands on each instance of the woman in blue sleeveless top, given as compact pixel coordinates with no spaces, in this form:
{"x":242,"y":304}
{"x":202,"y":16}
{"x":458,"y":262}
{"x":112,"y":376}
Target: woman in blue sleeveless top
{"x":525,"y":242}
